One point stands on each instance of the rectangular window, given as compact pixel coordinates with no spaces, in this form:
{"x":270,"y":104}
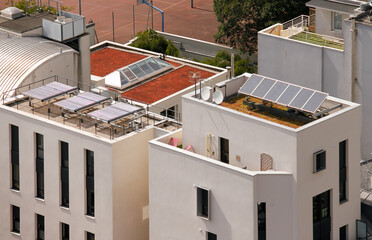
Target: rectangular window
{"x":337,"y":21}
{"x":90,"y":181}
{"x":203,"y":203}
{"x":224,"y":147}
{"x":16,"y":224}
{"x":40,"y":227}
{"x":65,"y":231}
{"x":64,"y":175}
{"x":39,"y":166}
{"x":319,"y":161}
{"x":321,"y":216}
{"x":211,"y":236}
{"x":343,"y":170}
{"x":261,"y":217}
{"x":14,"y":153}
{"x":90,"y":236}
{"x":343,"y":233}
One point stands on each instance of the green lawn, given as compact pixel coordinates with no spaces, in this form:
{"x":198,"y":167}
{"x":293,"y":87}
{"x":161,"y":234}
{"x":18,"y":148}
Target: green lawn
{"x":316,"y":39}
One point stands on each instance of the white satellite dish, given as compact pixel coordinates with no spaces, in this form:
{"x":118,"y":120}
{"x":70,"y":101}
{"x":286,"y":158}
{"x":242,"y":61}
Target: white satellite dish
{"x":218,"y":97}
{"x":206,"y":93}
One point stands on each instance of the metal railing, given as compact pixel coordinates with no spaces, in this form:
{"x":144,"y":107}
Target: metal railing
{"x":39,"y":4}
{"x":301,"y":21}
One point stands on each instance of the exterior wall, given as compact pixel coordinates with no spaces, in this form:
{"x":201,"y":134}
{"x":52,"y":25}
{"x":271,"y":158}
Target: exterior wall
{"x":323,"y":23}
{"x":234,"y":197}
{"x":101,"y":225}
{"x":326,"y":135}
{"x":84,"y":61}
{"x":248,"y":136}
{"x":130,"y":186}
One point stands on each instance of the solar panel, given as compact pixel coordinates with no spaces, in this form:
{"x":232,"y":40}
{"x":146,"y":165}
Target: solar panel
{"x":49,"y":91}
{"x":315,"y":101}
{"x":288,"y":95}
{"x":264,"y":86}
{"x":114,"y":112}
{"x":283,"y":93}
{"x":250,"y":85}
{"x":82,"y":101}
{"x":276,"y":91}
{"x":301,"y":98}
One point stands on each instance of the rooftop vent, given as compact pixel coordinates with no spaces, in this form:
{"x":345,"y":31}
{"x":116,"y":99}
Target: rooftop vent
{"x":11,"y":13}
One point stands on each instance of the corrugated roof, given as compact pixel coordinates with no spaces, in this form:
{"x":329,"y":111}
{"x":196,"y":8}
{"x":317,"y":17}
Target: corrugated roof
{"x":20,"y":56}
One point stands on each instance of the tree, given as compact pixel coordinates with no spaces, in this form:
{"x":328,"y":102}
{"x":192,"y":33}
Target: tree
{"x":151,"y":40}
{"x":21,"y":4}
{"x":240,"y":20}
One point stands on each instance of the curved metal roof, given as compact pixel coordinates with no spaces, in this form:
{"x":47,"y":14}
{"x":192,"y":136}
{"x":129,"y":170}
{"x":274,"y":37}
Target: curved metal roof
{"x":19,"y":56}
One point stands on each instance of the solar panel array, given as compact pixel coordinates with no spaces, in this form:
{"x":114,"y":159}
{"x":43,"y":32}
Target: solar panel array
{"x":114,"y":112}
{"x":142,"y":69}
{"x":81,"y":101}
{"x":49,"y":91}
{"x":283,"y":93}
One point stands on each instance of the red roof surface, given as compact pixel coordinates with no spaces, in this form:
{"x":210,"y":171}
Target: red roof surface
{"x":107,"y":60}
{"x":165,"y":85}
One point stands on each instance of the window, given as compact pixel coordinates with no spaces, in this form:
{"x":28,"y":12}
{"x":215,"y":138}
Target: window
{"x":261,"y":217}
{"x":39,"y":166}
{"x":65,"y":231}
{"x":16,"y":225}
{"x":319,"y":161}
{"x":343,"y":170}
{"x":211,"y":236}
{"x":321,"y":216}
{"x":64,"y":175}
{"x":90,"y":236}
{"x":343,"y":233}
{"x":170,"y":112}
{"x":203,"y":202}
{"x":90,"y":181}
{"x":337,"y":21}
{"x":14,"y":153}
{"x":40,"y":232}
{"x":224,"y":150}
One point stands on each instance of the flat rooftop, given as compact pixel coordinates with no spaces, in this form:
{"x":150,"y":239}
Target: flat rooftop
{"x":109,"y":59}
{"x":26,"y":23}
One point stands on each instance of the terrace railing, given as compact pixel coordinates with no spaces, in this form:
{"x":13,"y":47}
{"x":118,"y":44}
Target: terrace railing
{"x":301,"y":21}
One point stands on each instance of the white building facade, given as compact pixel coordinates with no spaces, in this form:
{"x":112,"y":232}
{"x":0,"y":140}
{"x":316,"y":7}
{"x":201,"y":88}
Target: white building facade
{"x":221,"y":191}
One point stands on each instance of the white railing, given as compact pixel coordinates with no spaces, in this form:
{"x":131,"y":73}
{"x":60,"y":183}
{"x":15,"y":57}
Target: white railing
{"x":301,"y":21}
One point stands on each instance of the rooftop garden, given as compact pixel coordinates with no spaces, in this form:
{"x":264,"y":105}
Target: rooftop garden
{"x":318,"y":40}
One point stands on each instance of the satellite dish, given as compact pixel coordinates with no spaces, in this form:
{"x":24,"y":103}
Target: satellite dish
{"x":218,"y":97}
{"x":206,"y":93}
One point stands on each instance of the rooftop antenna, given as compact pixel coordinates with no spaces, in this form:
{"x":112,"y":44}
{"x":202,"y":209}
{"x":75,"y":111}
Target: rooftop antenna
{"x":195,"y":76}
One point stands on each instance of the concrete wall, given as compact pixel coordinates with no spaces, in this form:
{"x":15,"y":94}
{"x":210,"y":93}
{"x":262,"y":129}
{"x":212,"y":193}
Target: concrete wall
{"x":234,"y":197}
{"x":101,"y":225}
{"x":324,"y":24}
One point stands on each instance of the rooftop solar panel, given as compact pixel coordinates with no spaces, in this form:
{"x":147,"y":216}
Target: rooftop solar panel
{"x":49,"y":91}
{"x":114,"y":112}
{"x":250,"y":85}
{"x":80,"y":102}
{"x":283,"y":93}
{"x":264,"y":86}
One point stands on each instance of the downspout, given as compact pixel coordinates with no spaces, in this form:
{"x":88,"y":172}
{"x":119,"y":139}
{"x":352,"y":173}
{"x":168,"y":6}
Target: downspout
{"x":353,"y":59}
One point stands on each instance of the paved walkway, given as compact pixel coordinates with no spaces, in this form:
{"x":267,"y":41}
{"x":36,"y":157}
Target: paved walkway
{"x":198,"y":22}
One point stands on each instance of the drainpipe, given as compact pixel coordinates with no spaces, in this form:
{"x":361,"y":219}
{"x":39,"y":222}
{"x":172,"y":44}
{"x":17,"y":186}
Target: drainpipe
{"x":353,"y":59}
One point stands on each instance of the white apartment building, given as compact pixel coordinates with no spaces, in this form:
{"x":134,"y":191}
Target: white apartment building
{"x":256,"y":169}
{"x":74,"y":165}
{"x":327,"y":51}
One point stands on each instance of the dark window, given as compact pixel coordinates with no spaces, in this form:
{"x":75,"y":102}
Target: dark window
{"x":203,"y":202}
{"x":14,"y":153}
{"x":343,"y":170}
{"x":16,"y":224}
{"x":261,"y":217}
{"x":39,"y":166}
{"x":321,"y":216}
{"x":224,"y":146}
{"x":90,"y":181}
{"x":170,"y":112}
{"x":211,"y":236}
{"x":40,"y":232}
{"x":65,"y":231}
{"x":90,"y":236}
{"x":319,"y":161}
{"x":64,"y":175}
{"x":343,"y":233}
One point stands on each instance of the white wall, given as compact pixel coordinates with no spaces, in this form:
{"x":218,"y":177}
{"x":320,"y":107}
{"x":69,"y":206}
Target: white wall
{"x":323,"y":23}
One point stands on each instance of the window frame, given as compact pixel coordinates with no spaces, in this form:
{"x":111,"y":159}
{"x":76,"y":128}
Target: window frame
{"x":14,"y":158}
{"x":38,"y":223}
{"x":65,"y":228}
{"x":334,"y":15}
{"x":89,"y":236}
{"x":343,"y":169}
{"x":319,"y":167}
{"x":200,"y":202}
{"x":39,"y":166}
{"x":64,"y":170}
{"x":89,"y":183}
{"x":14,"y":220}
{"x":210,"y":236}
